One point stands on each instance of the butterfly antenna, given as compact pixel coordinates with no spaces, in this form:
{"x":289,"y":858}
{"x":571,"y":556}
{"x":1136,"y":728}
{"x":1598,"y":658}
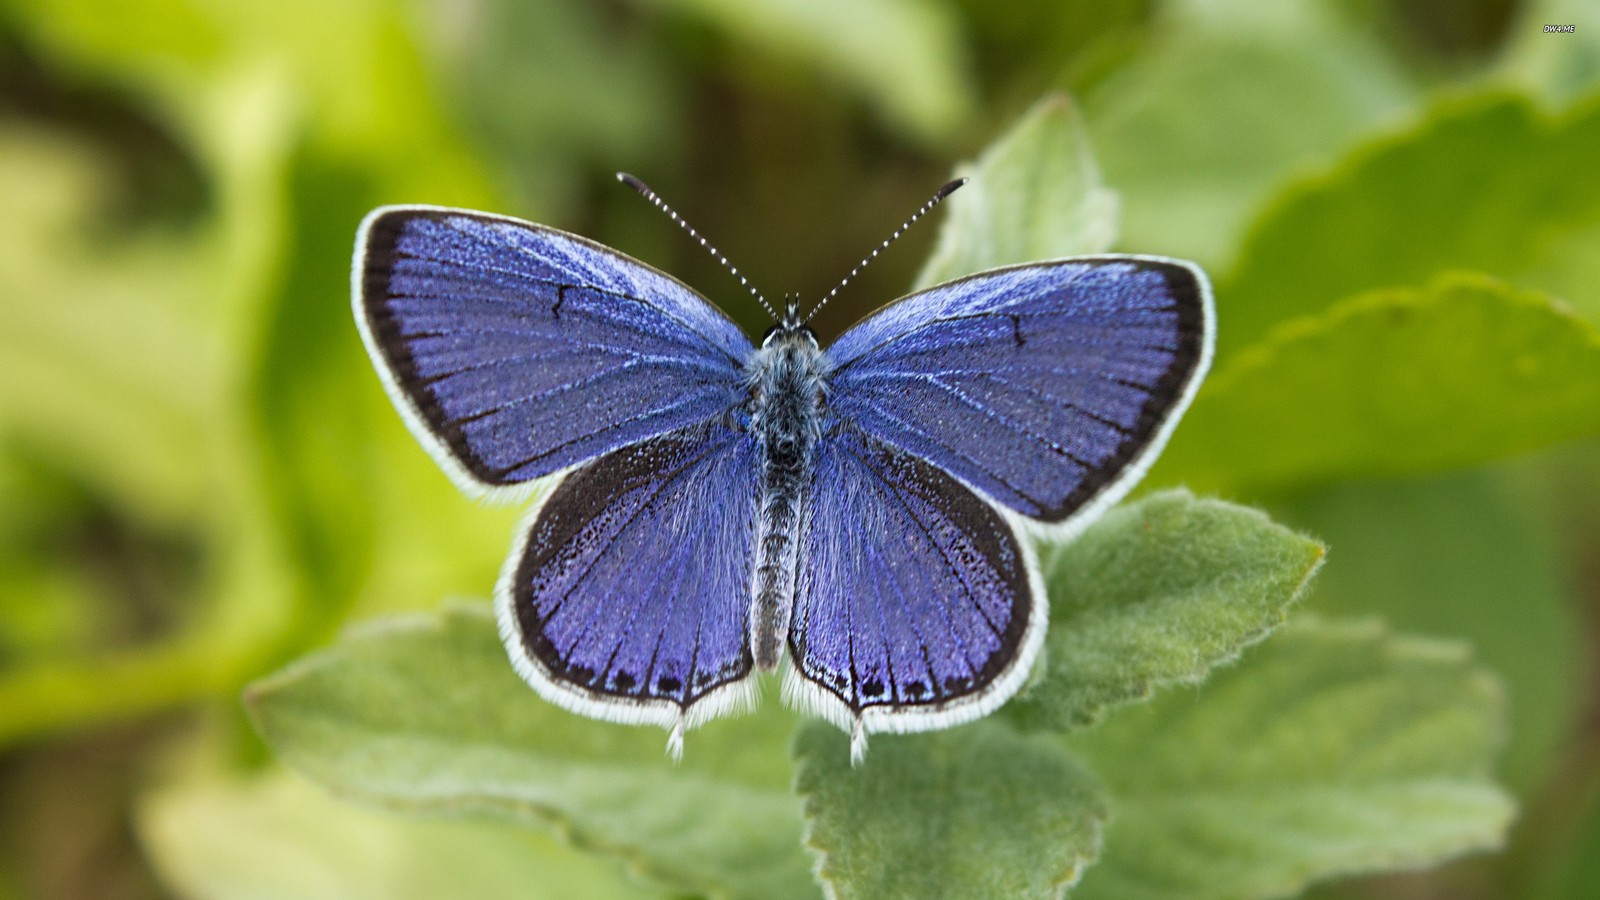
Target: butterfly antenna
{"x":947,"y":190}
{"x":660,"y":204}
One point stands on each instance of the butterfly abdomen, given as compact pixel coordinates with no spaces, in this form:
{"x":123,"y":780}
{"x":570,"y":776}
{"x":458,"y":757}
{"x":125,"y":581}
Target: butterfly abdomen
{"x":786,"y":383}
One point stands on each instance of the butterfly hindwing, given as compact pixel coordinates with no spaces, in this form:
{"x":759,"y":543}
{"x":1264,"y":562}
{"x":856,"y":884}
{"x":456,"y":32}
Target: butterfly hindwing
{"x":917,"y":606}
{"x":1049,"y":387}
{"x":627,"y":596}
{"x":515,"y":350}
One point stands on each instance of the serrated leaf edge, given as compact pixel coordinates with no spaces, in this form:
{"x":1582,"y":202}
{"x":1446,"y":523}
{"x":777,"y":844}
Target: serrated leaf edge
{"x":1145,"y":689}
{"x":637,"y":865}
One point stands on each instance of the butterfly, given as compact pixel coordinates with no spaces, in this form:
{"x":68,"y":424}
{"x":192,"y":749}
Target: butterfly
{"x":862,"y":516}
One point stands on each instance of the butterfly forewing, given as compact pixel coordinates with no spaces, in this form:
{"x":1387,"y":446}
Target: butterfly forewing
{"x":627,"y":597}
{"x":515,"y":350}
{"x":917,"y":605}
{"x":1049,"y":387}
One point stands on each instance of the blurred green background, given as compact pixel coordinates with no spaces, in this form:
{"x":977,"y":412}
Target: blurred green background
{"x":200,"y":477}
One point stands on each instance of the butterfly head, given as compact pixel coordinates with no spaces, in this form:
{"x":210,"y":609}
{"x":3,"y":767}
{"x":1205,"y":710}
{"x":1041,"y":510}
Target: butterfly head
{"x":793,"y":320}
{"x":791,"y":329}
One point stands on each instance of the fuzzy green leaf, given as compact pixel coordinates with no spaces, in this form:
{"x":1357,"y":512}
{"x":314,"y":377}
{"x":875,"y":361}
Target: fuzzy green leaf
{"x":279,"y":837}
{"x":1487,"y":183}
{"x":1159,"y":592}
{"x":1395,"y":382}
{"x":976,"y":811}
{"x":1332,"y":749}
{"x":424,"y":714}
{"x":1036,"y":193}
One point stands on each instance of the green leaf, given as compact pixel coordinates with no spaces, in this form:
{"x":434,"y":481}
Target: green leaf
{"x":1332,"y":749}
{"x":424,"y":714}
{"x":1460,"y":556}
{"x":1566,"y":266}
{"x":278,"y":836}
{"x":1226,"y":100}
{"x":1157,"y":593}
{"x":1035,"y":193}
{"x":1394,"y":382}
{"x":976,"y":811}
{"x":1485,"y":183}
{"x":906,"y":57}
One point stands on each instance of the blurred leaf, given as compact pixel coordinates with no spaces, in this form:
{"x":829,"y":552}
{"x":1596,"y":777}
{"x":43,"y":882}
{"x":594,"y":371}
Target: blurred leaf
{"x":1332,"y":749}
{"x":64,"y":828}
{"x":1438,"y":42}
{"x":1484,"y":183}
{"x":1156,"y":593}
{"x":300,"y":120}
{"x":1226,"y":100}
{"x":158,"y":321}
{"x":106,"y":365}
{"x":134,"y":345}
{"x":151,"y":40}
{"x":305,"y":117}
{"x":1568,"y":860}
{"x":1458,"y":557}
{"x":369,"y":515}
{"x":98,"y":420}
{"x":1394,"y":382}
{"x":1559,"y":67}
{"x":905,"y":56}
{"x":1035,"y":193}
{"x":334,"y":453}
{"x":1566,"y":266}
{"x":424,"y":713}
{"x":975,"y":811}
{"x":616,"y":103}
{"x":280,"y":837}
{"x":352,"y":69}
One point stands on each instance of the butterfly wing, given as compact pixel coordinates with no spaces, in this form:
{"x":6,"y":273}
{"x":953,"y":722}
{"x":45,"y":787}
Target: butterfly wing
{"x":918,"y":606}
{"x":1049,"y":387}
{"x":514,"y":350}
{"x":626,"y":598}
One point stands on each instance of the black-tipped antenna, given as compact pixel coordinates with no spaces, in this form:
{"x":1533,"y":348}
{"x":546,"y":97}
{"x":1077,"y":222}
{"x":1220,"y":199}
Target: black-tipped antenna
{"x":660,"y":204}
{"x":947,"y":190}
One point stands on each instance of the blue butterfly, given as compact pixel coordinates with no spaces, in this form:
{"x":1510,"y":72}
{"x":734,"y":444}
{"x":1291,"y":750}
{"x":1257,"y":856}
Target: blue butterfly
{"x":710,"y":508}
